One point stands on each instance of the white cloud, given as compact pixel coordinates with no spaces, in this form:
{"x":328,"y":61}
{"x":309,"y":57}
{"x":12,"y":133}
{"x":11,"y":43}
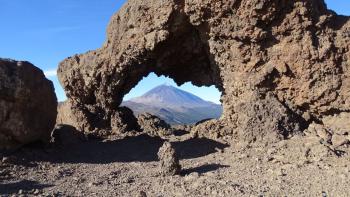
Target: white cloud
{"x":50,"y":73}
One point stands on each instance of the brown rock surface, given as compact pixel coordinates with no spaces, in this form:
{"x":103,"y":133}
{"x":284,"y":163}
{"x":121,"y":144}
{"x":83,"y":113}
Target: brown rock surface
{"x":274,"y":61}
{"x":28,"y":104}
{"x":333,"y":130}
{"x":65,"y":114}
{"x":153,"y":125}
{"x":168,"y":160}
{"x":69,"y":114}
{"x":65,"y":135}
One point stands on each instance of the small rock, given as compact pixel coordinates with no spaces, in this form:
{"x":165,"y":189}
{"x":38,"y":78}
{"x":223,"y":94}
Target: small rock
{"x":5,"y":159}
{"x":142,"y":194}
{"x":130,"y":180}
{"x":324,"y":194}
{"x":280,"y":172}
{"x":36,"y":192}
{"x":191,"y":176}
{"x":322,"y":133}
{"x":219,"y":150}
{"x":195,"y":174}
{"x":268,"y":158}
{"x":339,"y":140}
{"x":76,"y":178}
{"x":210,"y":174}
{"x":341,"y":132}
{"x":9,"y":159}
{"x":169,"y":163}
{"x":306,"y":116}
{"x":242,"y":156}
{"x":271,"y":151}
{"x":208,"y":189}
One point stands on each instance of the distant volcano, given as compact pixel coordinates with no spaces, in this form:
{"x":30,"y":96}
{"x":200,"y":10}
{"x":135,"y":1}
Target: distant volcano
{"x":173,"y":105}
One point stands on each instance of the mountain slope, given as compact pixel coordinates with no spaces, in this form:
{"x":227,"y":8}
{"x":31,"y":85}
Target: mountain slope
{"x":173,"y":105}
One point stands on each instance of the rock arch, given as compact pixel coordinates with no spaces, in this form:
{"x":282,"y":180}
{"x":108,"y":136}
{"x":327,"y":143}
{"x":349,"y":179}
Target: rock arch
{"x":279,"y":64}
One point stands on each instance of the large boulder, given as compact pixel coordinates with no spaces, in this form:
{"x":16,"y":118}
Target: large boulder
{"x":28,"y":104}
{"x":280,"y":64}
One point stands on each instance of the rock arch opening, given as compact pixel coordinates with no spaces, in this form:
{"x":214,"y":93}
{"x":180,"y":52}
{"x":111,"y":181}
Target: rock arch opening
{"x":183,"y":56}
{"x":275,"y":73}
{"x":181,"y":52}
{"x":176,"y":105}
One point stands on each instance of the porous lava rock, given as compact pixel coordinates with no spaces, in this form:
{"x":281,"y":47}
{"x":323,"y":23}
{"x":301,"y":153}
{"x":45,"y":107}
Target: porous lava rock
{"x":69,"y":114}
{"x":153,"y":125}
{"x":28,"y":104}
{"x":168,"y":160}
{"x":66,"y":135}
{"x":280,"y":64}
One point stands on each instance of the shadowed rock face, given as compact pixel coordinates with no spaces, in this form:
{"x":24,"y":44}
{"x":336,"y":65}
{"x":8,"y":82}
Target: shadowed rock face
{"x":28,"y":104}
{"x":279,"y":64}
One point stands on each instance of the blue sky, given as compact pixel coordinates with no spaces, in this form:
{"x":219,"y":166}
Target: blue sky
{"x":45,"y":32}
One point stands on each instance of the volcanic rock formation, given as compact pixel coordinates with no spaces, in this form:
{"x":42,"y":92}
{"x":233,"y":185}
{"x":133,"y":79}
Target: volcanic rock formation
{"x":28,"y":104}
{"x":280,"y":64}
{"x":168,"y":160}
{"x":153,"y":125}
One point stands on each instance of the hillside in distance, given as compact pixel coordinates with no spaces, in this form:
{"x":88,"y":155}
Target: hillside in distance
{"x":175,"y":106}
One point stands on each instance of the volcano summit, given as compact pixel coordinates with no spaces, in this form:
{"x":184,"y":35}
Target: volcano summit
{"x":173,"y":105}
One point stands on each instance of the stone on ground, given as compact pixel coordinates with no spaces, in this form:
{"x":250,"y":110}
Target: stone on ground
{"x":169,"y":163}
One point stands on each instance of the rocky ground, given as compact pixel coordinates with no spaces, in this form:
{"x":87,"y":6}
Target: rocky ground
{"x":282,"y":68}
{"x":128,"y":166}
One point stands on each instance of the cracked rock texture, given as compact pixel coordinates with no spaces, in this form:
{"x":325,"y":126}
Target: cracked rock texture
{"x":280,"y":64}
{"x":28,"y":104}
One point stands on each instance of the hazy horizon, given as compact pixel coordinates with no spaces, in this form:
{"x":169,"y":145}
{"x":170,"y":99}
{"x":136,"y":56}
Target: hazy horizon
{"x":46,"y":32}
